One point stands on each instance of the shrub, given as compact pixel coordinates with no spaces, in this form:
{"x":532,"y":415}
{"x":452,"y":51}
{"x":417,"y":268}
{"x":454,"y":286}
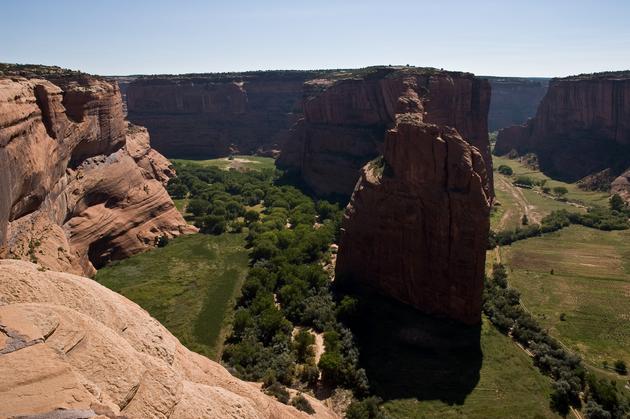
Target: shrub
{"x":505,"y":170}
{"x":212,"y":224}
{"x":300,"y":403}
{"x":161,"y":241}
{"x":560,"y":190}
{"x":365,"y":409}
{"x":524,"y":181}
{"x":278,"y":391}
{"x":251,"y":216}
{"x":621,"y":367}
{"x":617,"y":203}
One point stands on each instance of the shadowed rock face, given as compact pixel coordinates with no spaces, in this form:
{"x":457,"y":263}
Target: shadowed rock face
{"x":417,"y":224}
{"x":79,"y":185}
{"x":514,"y":100}
{"x":345,"y":121}
{"x":581,"y":127}
{"x":68,"y":343}
{"x":214,"y":115}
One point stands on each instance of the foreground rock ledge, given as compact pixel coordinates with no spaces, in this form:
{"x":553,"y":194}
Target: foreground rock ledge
{"x":417,"y":225}
{"x":67,"y":342}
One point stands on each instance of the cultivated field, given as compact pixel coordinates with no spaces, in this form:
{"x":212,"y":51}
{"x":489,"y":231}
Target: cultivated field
{"x":189,"y":286}
{"x":585,"y":274}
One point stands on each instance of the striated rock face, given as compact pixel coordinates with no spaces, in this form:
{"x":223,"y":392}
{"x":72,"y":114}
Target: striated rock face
{"x":213,"y":115}
{"x":581,"y":127}
{"x":345,"y":120}
{"x":79,"y":185}
{"x":514,"y":100}
{"x":68,"y":343}
{"x":417,"y":224}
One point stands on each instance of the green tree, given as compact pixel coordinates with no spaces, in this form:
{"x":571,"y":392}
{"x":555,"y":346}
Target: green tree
{"x":251,"y":216}
{"x":617,"y":203}
{"x":621,"y":367}
{"x":560,"y":190}
{"x":505,"y":170}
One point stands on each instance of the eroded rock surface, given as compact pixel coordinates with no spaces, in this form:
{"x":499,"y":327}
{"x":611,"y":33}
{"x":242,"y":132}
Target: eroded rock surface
{"x":80,"y":186}
{"x":345,"y":120}
{"x":417,"y":224}
{"x":68,"y":343}
{"x":582,"y":127}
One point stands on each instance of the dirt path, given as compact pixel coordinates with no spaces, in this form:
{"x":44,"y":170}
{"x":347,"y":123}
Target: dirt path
{"x":525,"y":208}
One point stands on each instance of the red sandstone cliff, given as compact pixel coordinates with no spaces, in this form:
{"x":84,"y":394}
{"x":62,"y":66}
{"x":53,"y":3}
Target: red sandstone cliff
{"x":79,"y":185}
{"x":345,"y":120}
{"x":213,"y":115}
{"x":417,"y":224}
{"x":582,"y":127}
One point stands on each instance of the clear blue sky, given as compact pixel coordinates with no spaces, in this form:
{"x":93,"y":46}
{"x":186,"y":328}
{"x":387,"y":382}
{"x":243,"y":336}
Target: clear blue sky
{"x":488,"y":37}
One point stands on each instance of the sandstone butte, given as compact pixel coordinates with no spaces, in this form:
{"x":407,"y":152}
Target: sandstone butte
{"x":212,"y":115}
{"x":71,"y":348}
{"x":417,"y":224}
{"x":581,"y":128}
{"x":345,"y":120}
{"x":80,"y":186}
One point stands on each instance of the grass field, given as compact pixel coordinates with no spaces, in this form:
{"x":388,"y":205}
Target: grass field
{"x":590,"y":284}
{"x":574,"y":194}
{"x":422,"y":366}
{"x":509,"y":386}
{"x":238,"y":162}
{"x":189,"y":286}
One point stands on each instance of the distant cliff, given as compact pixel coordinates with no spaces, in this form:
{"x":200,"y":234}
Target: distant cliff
{"x":80,"y":186}
{"x":582,"y":127}
{"x":514,"y":100}
{"x":416,"y":227}
{"x":345,"y":120}
{"x":211,"y":115}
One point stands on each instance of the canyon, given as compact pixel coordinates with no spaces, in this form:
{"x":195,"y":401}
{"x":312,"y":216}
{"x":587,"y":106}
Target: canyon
{"x":581,"y":128}
{"x":213,"y":115}
{"x":514,"y":100}
{"x":417,"y":224}
{"x":345,"y":121}
{"x":80,"y":185}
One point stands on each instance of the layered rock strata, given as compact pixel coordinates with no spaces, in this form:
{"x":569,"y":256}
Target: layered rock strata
{"x":582,"y":127}
{"x":345,"y":120}
{"x":80,"y":186}
{"x":416,"y":227}
{"x":70,"y":348}
{"x":213,"y":115}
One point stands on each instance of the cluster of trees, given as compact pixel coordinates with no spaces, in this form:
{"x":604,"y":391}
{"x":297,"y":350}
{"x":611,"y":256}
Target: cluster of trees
{"x":218,"y":199}
{"x":287,"y":291}
{"x":502,"y":306}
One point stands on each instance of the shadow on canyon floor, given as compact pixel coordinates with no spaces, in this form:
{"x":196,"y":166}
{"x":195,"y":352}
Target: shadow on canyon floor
{"x":410,"y":355}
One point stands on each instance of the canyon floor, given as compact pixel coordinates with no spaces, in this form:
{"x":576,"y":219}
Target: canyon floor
{"x":191,"y":284}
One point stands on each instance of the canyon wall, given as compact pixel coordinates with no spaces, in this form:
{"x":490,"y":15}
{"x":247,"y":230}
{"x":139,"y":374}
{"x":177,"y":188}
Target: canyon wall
{"x":345,"y":120}
{"x":80,"y":186}
{"x":213,"y":115}
{"x":416,"y":227}
{"x":71,"y":348}
{"x":582,"y":127}
{"x":514,"y":100}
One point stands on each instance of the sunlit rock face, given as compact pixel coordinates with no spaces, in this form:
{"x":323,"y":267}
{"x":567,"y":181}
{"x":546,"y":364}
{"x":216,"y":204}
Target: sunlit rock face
{"x":80,"y":186}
